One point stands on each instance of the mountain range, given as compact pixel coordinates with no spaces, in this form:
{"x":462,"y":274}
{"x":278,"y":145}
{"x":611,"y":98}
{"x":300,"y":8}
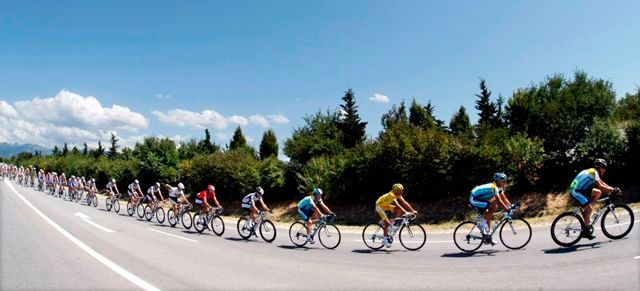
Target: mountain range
{"x":12,"y":149}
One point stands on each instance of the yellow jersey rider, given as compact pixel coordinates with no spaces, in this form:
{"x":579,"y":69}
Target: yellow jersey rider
{"x":392,"y":202}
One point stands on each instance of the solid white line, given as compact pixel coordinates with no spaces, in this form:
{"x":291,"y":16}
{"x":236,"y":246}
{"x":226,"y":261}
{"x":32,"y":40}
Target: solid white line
{"x":637,"y":258}
{"x":637,"y":220}
{"x":102,"y":259}
{"x":172,"y":235}
{"x":414,"y":241}
{"x":88,"y":220}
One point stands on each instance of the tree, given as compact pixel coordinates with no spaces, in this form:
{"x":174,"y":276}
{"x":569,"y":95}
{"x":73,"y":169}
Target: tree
{"x":99,"y":151}
{"x":320,"y":136}
{"x":486,"y":108}
{"x":65,"y":150}
{"x":85,"y":150}
{"x":55,"y":151}
{"x":238,"y":140}
{"x":459,"y":123}
{"x":499,"y":118}
{"x":353,"y":129}
{"x":397,"y":114}
{"x":113,"y":150}
{"x":268,"y":145}
{"x":419,"y":115}
{"x":628,"y":107}
{"x":75,"y":151}
{"x":205,"y":146}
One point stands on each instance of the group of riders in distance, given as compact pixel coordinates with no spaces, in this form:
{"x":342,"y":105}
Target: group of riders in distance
{"x":317,"y":220}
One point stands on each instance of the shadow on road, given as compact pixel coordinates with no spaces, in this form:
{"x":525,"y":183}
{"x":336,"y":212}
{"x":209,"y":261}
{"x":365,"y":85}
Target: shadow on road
{"x":471,"y":254}
{"x":289,"y":247}
{"x":576,"y":248}
{"x":380,"y":251}
{"x":239,"y":239}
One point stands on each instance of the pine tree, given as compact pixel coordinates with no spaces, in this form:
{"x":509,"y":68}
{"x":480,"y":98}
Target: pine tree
{"x":352,"y":127}
{"x":113,"y":150}
{"x":85,"y":151}
{"x":75,"y":151}
{"x":499,"y":118}
{"x":238,"y":140}
{"x":418,"y":115}
{"x":459,"y":123}
{"x":55,"y":151}
{"x":486,"y":108}
{"x":65,"y":150}
{"x":397,"y":114}
{"x":268,"y":145}
{"x":206,"y":146}
{"x":99,"y":151}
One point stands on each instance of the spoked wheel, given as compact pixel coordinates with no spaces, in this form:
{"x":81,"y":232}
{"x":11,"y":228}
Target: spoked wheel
{"x":298,"y":234}
{"x":467,"y":237}
{"x":217,"y":225}
{"x":130,"y":209}
{"x":160,"y":215}
{"x":199,"y":222}
{"x":95,"y":200}
{"x":140,"y":210}
{"x":515,"y":234}
{"x":412,"y":237}
{"x":243,"y":228}
{"x":329,"y":236}
{"x":116,"y":205}
{"x":372,"y":235}
{"x":617,"y":222}
{"x":267,"y":231}
{"x":171,"y":216}
{"x":566,"y":229}
{"x":148,"y":213}
{"x":186,"y":220}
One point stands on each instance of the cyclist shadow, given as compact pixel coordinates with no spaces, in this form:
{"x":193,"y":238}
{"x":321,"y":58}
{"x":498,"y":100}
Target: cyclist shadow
{"x":241,"y":239}
{"x":297,"y":248}
{"x":380,"y":251}
{"x":576,"y":248}
{"x":471,"y":254}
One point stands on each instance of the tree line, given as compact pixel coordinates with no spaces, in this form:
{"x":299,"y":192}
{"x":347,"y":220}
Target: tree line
{"x":541,"y":137}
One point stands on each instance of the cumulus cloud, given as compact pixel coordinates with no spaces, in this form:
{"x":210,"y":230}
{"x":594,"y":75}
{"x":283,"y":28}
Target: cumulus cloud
{"x":259,"y":120}
{"x":66,"y":117}
{"x":163,"y":96}
{"x":279,"y":118}
{"x":379,"y":98}
{"x":213,"y":119}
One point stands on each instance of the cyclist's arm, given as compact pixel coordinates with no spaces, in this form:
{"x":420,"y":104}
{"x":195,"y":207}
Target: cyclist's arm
{"x":316,"y":208}
{"x":326,"y":208}
{"x":603,"y":186}
{"x":160,"y":192}
{"x":215,"y":200}
{"x":264,"y":205}
{"x":503,"y":201}
{"x":407,"y":205}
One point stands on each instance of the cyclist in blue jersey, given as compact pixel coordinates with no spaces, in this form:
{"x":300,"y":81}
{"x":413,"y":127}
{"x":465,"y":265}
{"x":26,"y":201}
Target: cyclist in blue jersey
{"x":586,"y":188}
{"x":487,"y":197}
{"x":309,"y":210}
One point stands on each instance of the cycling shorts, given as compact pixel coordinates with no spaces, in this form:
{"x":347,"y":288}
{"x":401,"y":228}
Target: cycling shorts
{"x":579,"y":197}
{"x":305,"y":214}
{"x":173,"y":200}
{"x":479,"y":203}
{"x":382,"y":211}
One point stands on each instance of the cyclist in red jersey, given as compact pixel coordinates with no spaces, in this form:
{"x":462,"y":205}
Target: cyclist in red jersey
{"x":203,"y":197}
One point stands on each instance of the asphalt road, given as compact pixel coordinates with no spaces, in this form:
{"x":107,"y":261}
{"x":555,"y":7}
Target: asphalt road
{"x":46,"y":244}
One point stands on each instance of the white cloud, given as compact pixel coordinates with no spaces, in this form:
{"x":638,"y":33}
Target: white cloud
{"x":239,"y":120}
{"x":66,"y":117}
{"x":163,"y":96}
{"x":221,"y":136}
{"x":259,"y":120}
{"x":279,"y":118}
{"x":379,"y":98}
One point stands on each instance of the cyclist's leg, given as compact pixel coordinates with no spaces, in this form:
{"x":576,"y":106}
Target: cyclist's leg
{"x":385,"y":220}
{"x":488,"y":216}
{"x":584,"y":203}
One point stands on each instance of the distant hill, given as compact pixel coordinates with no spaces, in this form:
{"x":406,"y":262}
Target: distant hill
{"x":12,"y":149}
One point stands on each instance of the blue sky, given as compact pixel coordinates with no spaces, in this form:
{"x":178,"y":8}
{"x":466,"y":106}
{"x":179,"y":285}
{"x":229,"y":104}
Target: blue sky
{"x":270,"y":59}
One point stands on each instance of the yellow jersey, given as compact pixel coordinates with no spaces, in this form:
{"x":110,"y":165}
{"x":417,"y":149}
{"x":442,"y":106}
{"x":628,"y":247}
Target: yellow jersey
{"x":386,"y":199}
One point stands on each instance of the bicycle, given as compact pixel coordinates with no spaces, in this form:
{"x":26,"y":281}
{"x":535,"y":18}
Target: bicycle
{"x":78,"y":195}
{"x":156,"y":210}
{"x":373,"y":233}
{"x":515,"y":233}
{"x":267,"y":229}
{"x":137,"y":207}
{"x":211,"y":221}
{"x":92,"y":198}
{"x":328,"y":233}
{"x":183,"y":215}
{"x":617,"y":222}
{"x":113,"y":202}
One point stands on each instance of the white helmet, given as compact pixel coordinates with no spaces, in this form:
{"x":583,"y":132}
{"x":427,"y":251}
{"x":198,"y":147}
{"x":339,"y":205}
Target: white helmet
{"x":180,"y":186}
{"x":259,"y":190}
{"x":113,"y":180}
{"x":136,"y":181}
{"x":157,"y":185}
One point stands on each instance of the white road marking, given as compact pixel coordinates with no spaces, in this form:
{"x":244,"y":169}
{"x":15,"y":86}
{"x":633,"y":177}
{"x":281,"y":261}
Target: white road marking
{"x":637,"y":220}
{"x":173,"y":235}
{"x":415,"y":241}
{"x":102,"y":259}
{"x":637,"y":258}
{"x":88,"y":220}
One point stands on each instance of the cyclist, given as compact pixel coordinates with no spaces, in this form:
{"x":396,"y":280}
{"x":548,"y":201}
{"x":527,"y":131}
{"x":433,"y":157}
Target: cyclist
{"x":62,"y":181}
{"x":203,"y":197}
{"x":111,"y":188}
{"x":586,"y":188}
{"x":151,"y":197}
{"x":309,"y":210}
{"x":392,"y":202}
{"x":249,"y":204}
{"x":91,"y":187}
{"x":174,"y":192}
{"x":486,"y":198}
{"x":132,"y":190}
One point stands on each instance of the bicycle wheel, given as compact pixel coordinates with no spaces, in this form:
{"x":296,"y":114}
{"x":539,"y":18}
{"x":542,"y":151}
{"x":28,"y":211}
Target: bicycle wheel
{"x":412,"y":237}
{"x":217,"y":225}
{"x":267,"y":231}
{"x":116,"y":205}
{"x":148,"y":213}
{"x":467,"y":237}
{"x":298,"y":234}
{"x":199,"y":222}
{"x":515,"y":234}
{"x":329,"y":236}
{"x":617,"y":222}
{"x":243,"y":228}
{"x":566,"y":229}
{"x":140,"y":210}
{"x":186,"y":220}
{"x":108,"y":204}
{"x":94,"y":199}
{"x":160,"y":215}
{"x":171,"y":217}
{"x":130,"y":209}
{"x":372,"y":235}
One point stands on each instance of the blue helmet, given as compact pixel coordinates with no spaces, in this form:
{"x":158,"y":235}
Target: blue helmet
{"x":499,"y":177}
{"x":317,"y":191}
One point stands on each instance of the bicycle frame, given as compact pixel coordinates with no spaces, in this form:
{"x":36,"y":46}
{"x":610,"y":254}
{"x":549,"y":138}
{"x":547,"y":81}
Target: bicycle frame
{"x":577,"y":210}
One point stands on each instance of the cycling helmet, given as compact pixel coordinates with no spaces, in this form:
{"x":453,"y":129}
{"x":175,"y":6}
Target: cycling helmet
{"x":82,"y":178}
{"x":136,"y":181}
{"x":317,"y":192}
{"x":600,"y":163}
{"x":259,"y":190}
{"x":180,"y":186}
{"x":93,"y":180}
{"x":397,"y":186}
{"x":211,"y":188}
{"x":62,"y":174}
{"x":499,"y":177}
{"x":113,"y":180}
{"x":157,"y":185}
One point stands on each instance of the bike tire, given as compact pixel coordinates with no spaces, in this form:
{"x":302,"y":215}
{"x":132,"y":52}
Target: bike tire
{"x":140,"y":210}
{"x":217,"y":225}
{"x":467,"y":237}
{"x":517,"y":227}
{"x":412,"y":231}
{"x":130,"y":209}
{"x":243,"y":228}
{"x":268,"y":231}
{"x":187,"y":221}
{"x":567,"y":225}
{"x":623,"y":226}
{"x":160,"y":215}
{"x":199,"y":222}
{"x":116,"y":205}
{"x":108,"y":204}
{"x":298,"y":234}
{"x":95,"y":201}
{"x":172,"y":218}
{"x":148,"y":213}
{"x":329,"y":236}
{"x":372,"y":236}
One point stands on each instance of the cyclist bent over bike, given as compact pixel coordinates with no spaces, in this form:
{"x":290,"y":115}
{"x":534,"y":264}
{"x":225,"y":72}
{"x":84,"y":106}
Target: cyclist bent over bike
{"x":111,"y":188}
{"x":151,"y":193}
{"x":203,"y":197}
{"x":249,"y":203}
{"x":392,"y":202}
{"x":484,"y":197}
{"x":586,"y":188}
{"x":174,"y":192}
{"x":309,"y":210}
